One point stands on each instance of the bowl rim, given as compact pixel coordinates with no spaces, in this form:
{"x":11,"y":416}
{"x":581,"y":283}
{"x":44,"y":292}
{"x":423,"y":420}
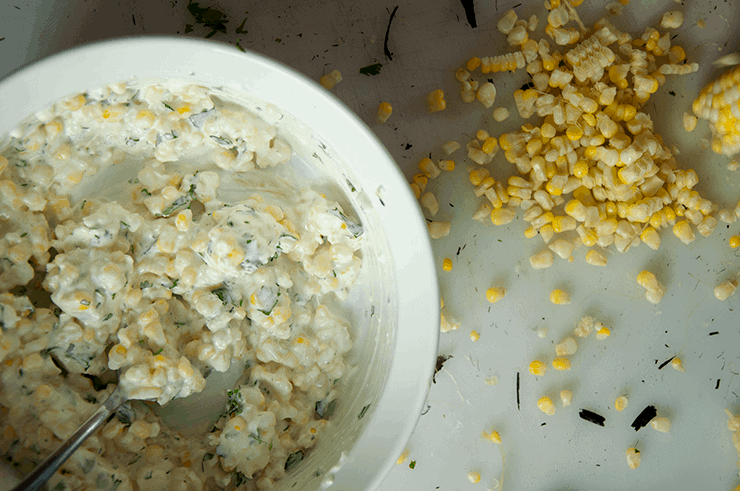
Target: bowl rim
{"x":30,"y":88}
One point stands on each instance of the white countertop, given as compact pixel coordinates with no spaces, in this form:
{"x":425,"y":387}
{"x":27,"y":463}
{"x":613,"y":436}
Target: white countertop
{"x":429,"y":41}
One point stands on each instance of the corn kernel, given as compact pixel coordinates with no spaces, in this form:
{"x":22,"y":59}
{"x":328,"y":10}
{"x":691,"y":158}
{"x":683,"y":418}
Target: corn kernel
{"x":621,"y":403}
{"x":537,"y":368}
{"x":384,"y":112}
{"x":495,"y":294}
{"x":542,"y":260}
{"x":474,"y":477}
{"x":683,"y":231}
{"x":735,"y":241}
{"x":331,"y":79}
{"x":503,"y":216}
{"x":436,"y":101}
{"x":603,"y":332}
{"x":474,"y":336}
{"x":566,"y":397}
{"x":566,"y":347}
{"x":677,"y":364}
{"x":546,"y":406}
{"x":661,"y":424}
{"x":559,"y":297}
{"x":595,"y":258}
{"x":561,"y":364}
{"x":447,"y":264}
{"x":446,"y":165}
{"x":725,"y":290}
{"x":633,"y":458}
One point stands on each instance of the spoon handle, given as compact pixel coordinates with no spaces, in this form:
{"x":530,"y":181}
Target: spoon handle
{"x":48,"y":467}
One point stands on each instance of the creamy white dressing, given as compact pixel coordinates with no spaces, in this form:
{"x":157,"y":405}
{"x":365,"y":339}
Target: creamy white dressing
{"x":165,"y":284}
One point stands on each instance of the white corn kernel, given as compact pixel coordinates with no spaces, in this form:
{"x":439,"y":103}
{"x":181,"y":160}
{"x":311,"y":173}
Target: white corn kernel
{"x":566,"y":397}
{"x":595,"y":258}
{"x":546,"y":406}
{"x":566,"y":347}
{"x":541,"y":260}
{"x":725,"y":290}
{"x":331,"y":79}
{"x":671,"y":20}
{"x":633,"y":458}
{"x":500,"y":114}
{"x":661,"y":424}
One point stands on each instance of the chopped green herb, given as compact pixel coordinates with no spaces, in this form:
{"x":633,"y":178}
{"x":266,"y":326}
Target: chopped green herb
{"x":178,"y":324}
{"x":83,"y":204}
{"x":234,"y":403}
{"x":124,"y":223}
{"x":158,"y":351}
{"x":108,"y":316}
{"x":174,"y":283}
{"x":146,"y":192}
{"x":212,"y":18}
{"x":371,"y":69}
{"x":85,"y":302}
{"x":240,"y":29}
{"x":239,"y":46}
{"x":168,"y":106}
{"x":113,"y":296}
{"x":364,"y":410}
{"x":412,"y":464}
{"x":240,"y":479}
{"x":24,"y":234}
{"x":277,"y":40}
{"x":144,"y":285}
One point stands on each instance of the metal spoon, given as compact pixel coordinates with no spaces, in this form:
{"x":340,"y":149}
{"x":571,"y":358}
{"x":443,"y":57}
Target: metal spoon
{"x":199,"y":411}
{"x":49,"y":466}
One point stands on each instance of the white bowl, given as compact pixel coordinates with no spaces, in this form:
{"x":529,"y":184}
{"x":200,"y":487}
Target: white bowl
{"x":394,"y":309}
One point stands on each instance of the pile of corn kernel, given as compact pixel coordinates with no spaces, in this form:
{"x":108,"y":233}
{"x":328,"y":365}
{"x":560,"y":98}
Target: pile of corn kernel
{"x":594,"y":166}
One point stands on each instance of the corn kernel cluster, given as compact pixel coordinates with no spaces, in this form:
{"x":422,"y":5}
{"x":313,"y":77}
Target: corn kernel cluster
{"x":595,"y":142}
{"x":719,"y":104}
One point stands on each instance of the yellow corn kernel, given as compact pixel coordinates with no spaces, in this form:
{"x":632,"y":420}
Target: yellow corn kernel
{"x":331,"y":79}
{"x":676,"y":364}
{"x":546,"y":406}
{"x":559,"y":297}
{"x":684,"y":232}
{"x":384,"y":112}
{"x":473,"y":63}
{"x":477,"y":176}
{"x":415,"y":188}
{"x":651,"y":238}
{"x":446,"y":165}
{"x":537,"y":368}
{"x":489,"y":145}
{"x":530,"y":232}
{"x":83,"y":300}
{"x":494,"y":436}
{"x":429,"y":168}
{"x":574,"y":133}
{"x":474,"y":477}
{"x":503,"y":216}
{"x":621,"y":403}
{"x":474,"y":336}
{"x":735,"y":241}
{"x":436,"y":101}
{"x":580,"y":169}
{"x":447,"y":264}
{"x":495,"y":294}
{"x":676,"y":54}
{"x":481,"y":135}
{"x":403,"y":457}
{"x":561,"y":364}
{"x":602,"y":333}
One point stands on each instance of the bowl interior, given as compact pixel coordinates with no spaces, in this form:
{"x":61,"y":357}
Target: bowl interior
{"x":393,"y":310}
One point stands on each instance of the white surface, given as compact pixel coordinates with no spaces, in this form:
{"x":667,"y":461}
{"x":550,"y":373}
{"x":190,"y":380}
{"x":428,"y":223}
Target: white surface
{"x":430,"y":40}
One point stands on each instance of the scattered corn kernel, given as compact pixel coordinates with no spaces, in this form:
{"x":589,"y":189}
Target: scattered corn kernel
{"x":495,"y":437}
{"x":621,"y":403}
{"x":542,"y":260}
{"x":429,"y":201}
{"x":436,"y":101}
{"x":602,"y":333}
{"x":495,"y":294}
{"x":403,"y":457}
{"x":561,"y":364}
{"x":566,"y":347}
{"x":384,"y":112}
{"x":500,"y":114}
{"x":537,"y":368}
{"x":438,"y":230}
{"x":474,"y":336}
{"x":689,"y":122}
{"x":701,"y":23}
{"x":546,"y":406}
{"x":733,"y":165}
{"x":661,"y":424}
{"x":450,"y":147}
{"x":559,"y":297}
{"x":566,"y":397}
{"x":735,"y":241}
{"x":331,"y":79}
{"x":474,"y":477}
{"x":633,"y":458}
{"x":654,"y":288}
{"x":677,"y":364}
{"x":671,"y":20}
{"x":725,"y":290}
{"x":595,"y":258}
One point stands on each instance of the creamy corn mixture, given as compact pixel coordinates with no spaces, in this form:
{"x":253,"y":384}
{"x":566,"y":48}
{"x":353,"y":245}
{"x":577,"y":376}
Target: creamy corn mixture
{"x":164,"y":285}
